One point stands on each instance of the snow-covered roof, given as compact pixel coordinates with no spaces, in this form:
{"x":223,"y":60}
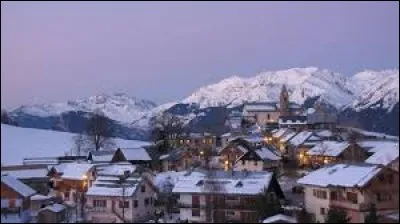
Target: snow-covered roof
{"x":328,"y":148}
{"x":74,"y":171}
{"x":228,"y":134}
{"x":39,"y":197}
{"x":102,"y":156}
{"x":267,"y":154}
{"x":279,"y":133}
{"x":375,"y":145}
{"x":384,"y":155}
{"x":115,"y":169}
{"x":254,"y":139}
{"x":260,"y":106}
{"x":300,"y":138}
{"x":54,"y":207}
{"x":374,"y":134}
{"x":343,"y":175}
{"x":280,"y":217}
{"x":324,"y":133}
{"x":17,"y":186}
{"x":136,"y":154}
{"x":238,"y":182}
{"x":287,"y":136}
{"x":292,"y":120}
{"x":27,"y":173}
{"x":110,"y":186}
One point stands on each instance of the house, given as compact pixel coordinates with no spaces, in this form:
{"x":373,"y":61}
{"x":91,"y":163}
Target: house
{"x":333,"y":152}
{"x":388,"y":156}
{"x":280,"y":218}
{"x":100,"y":156}
{"x":234,"y":120}
{"x":35,"y":176}
{"x":38,"y":201}
{"x":177,"y":159}
{"x":71,"y":180}
{"x":113,"y":197}
{"x":351,"y":187}
{"x":54,"y":213}
{"x":15,"y":200}
{"x":195,"y":140}
{"x":283,"y":140}
{"x":223,"y":196}
{"x":259,"y":160}
{"x":294,"y":145}
{"x":233,"y":151}
{"x":133,"y":155}
{"x":268,"y":113}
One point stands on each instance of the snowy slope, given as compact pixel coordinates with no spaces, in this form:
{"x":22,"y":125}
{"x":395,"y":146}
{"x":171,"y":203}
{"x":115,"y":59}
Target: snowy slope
{"x":18,"y":143}
{"x":266,"y":86}
{"x":372,"y":87}
{"x":119,"y":107}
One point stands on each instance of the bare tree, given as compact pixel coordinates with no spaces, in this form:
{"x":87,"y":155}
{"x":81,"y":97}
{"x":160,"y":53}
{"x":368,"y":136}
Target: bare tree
{"x":6,"y":119}
{"x":214,"y":194}
{"x":165,"y":128}
{"x":97,"y":134}
{"x":79,"y":144}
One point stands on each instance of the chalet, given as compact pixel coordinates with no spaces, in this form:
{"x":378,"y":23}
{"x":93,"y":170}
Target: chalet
{"x":233,"y":151}
{"x":259,"y":160}
{"x":35,"y":176}
{"x":333,"y":152}
{"x":113,"y":197}
{"x":224,"y":197}
{"x":15,"y":200}
{"x":177,"y":159}
{"x":71,"y":180}
{"x":195,"y":140}
{"x":133,"y":155}
{"x":100,"y":156}
{"x":351,"y":187}
{"x":53,"y":213}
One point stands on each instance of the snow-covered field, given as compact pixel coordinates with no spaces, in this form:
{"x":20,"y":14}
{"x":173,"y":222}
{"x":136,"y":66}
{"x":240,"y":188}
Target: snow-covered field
{"x":19,"y":143}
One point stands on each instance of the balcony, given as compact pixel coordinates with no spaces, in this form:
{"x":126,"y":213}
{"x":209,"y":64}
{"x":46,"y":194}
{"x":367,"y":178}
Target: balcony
{"x":220,"y":206}
{"x":186,"y":205}
{"x":349,"y":205}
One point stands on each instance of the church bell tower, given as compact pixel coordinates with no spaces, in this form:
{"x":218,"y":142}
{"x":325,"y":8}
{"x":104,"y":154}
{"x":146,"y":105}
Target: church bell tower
{"x":284,"y":102}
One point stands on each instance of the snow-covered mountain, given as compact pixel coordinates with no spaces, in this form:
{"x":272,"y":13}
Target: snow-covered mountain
{"x":302,"y":83}
{"x":375,"y":89}
{"x":353,"y":96}
{"x":119,"y":107}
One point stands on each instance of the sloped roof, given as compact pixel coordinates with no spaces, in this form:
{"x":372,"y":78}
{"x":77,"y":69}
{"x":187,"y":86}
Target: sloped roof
{"x":102,"y":156}
{"x":384,"y":155}
{"x":280,"y":217}
{"x":328,"y":148}
{"x":240,"y":182}
{"x":300,"y":138}
{"x":19,"y":187}
{"x":343,"y":175}
{"x":74,"y":171}
{"x":136,"y":154}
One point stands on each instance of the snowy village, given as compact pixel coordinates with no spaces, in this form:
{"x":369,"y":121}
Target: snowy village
{"x":199,"y":112}
{"x":279,"y":163}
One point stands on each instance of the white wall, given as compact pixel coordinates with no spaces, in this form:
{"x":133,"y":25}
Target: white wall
{"x":313,"y":204}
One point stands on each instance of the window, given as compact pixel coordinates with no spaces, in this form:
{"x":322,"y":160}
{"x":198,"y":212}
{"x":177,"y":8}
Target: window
{"x":243,"y":162}
{"x":352,"y":197}
{"x":231,"y":198}
{"x":151,"y":201}
{"x":320,"y":194}
{"x":143,"y":188}
{"x":195,"y":212}
{"x":255,"y":162}
{"x":146,"y":201}
{"x":383,"y":197}
{"x":124,"y":204}
{"x":322,"y":211}
{"x":230,"y":212}
{"x":99,"y":203}
{"x":390,"y":179}
{"x":334,"y":195}
{"x":268,"y":117}
{"x":381,"y":178}
{"x":66,"y":195}
{"x":135,"y":203}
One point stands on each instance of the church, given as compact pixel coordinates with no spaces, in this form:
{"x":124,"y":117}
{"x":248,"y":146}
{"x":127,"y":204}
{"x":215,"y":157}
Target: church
{"x":268,"y":113}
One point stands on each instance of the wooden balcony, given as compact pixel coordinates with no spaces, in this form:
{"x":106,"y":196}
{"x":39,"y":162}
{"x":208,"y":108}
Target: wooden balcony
{"x":349,"y":205}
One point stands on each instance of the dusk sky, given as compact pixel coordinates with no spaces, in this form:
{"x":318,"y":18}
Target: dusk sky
{"x":56,"y":51}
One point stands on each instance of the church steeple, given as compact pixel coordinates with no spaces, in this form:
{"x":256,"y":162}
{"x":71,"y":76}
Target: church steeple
{"x":284,"y":102}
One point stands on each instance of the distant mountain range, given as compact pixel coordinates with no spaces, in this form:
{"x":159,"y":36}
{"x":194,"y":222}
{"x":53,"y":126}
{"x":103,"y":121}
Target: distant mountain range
{"x":369,"y":98}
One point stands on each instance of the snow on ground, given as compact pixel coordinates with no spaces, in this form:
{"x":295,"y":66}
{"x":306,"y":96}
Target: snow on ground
{"x":19,"y":143}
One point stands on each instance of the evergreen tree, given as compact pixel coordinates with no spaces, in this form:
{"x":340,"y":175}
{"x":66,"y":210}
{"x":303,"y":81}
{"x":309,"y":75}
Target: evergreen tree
{"x":372,"y":217}
{"x":268,"y":205}
{"x":336,"y":215}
